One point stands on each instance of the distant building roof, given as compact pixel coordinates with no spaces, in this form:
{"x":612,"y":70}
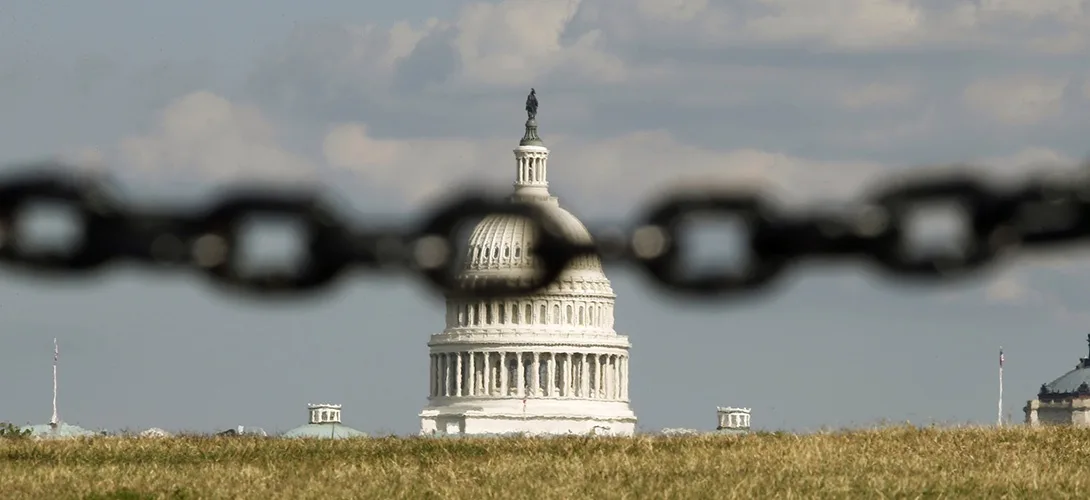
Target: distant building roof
{"x":243,"y":430}
{"x":61,"y":431}
{"x":330,"y":430}
{"x":324,"y":423}
{"x":1074,"y":381}
{"x":154,"y":432}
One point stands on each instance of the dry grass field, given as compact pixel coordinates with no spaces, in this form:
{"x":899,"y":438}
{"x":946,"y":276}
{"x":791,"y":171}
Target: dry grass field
{"x":900,"y":462}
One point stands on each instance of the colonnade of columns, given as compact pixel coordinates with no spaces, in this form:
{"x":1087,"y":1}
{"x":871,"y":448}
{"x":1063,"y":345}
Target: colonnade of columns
{"x":532,"y":168}
{"x":733,"y":420}
{"x":570,"y":312}
{"x":529,"y":375}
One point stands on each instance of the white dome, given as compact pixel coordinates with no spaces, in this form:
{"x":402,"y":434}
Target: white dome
{"x":504,"y":243}
{"x":544,"y":363}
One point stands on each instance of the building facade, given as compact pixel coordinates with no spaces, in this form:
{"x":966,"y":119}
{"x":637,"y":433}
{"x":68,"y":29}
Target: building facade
{"x":1064,"y":401}
{"x":550,"y":363}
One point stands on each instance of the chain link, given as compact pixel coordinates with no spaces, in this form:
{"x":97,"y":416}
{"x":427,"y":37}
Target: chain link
{"x":1044,"y":211}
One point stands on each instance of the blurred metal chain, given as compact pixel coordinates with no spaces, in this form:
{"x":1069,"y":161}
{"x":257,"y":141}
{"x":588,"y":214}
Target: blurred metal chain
{"x":1043,"y":211}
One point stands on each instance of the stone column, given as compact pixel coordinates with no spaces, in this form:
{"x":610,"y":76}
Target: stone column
{"x":550,"y":376}
{"x":450,"y":373}
{"x":575,"y":378}
{"x":592,"y":366}
{"x":584,"y":380}
{"x":520,"y":376}
{"x":603,"y":361}
{"x":563,"y":392}
{"x":457,"y":374}
{"x":615,"y":374}
{"x":624,"y":378}
{"x":443,"y":374}
{"x":608,"y":373}
{"x":486,"y":378}
{"x":431,"y":375}
{"x":535,"y":375}
{"x":503,"y":374}
{"x":440,"y":376}
{"x":472,"y":375}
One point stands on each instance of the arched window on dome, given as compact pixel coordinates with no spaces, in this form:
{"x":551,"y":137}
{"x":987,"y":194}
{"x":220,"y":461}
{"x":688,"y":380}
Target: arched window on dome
{"x":515,"y":314}
{"x":488,"y":312}
{"x":556,"y":314}
{"x":506,"y":251}
{"x":518,"y":251}
{"x":528,"y":316}
{"x":582,"y":318}
{"x":544,"y":318}
{"x":476,"y":314}
{"x":502,"y":313}
{"x":569,"y":315}
{"x":496,"y":252}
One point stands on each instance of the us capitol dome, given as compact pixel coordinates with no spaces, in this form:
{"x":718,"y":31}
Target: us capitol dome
{"x":547,"y":363}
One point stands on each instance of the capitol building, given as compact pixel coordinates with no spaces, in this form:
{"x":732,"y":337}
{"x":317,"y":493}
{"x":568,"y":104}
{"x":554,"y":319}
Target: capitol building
{"x":549,"y":363}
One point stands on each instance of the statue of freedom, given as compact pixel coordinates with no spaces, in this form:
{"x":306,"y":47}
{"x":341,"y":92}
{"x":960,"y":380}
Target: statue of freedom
{"x":531,"y":105}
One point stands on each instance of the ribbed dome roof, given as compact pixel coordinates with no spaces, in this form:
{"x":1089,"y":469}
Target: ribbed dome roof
{"x":501,"y":242}
{"x":324,"y":431}
{"x":1072,"y":380}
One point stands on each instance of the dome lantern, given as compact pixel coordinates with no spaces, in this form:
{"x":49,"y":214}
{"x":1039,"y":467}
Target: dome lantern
{"x":531,"y":159}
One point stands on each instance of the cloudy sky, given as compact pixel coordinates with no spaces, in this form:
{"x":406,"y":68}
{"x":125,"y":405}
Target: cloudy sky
{"x":394,"y":102}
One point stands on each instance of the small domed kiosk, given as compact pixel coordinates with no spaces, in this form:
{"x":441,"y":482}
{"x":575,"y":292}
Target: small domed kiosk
{"x":1064,"y":401}
{"x":324,"y":423}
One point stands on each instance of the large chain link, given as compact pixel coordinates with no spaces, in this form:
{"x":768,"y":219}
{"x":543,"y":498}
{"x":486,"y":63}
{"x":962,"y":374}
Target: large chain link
{"x":1045,"y":210}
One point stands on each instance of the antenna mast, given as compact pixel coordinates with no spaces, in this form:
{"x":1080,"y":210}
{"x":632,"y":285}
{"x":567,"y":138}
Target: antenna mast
{"x":56,"y":354}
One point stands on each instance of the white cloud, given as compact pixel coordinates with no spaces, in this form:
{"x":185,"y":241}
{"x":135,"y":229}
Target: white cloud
{"x":876,"y":95}
{"x":840,"y":23}
{"x":1018,"y":99}
{"x":1063,"y":9}
{"x":417,"y":169}
{"x":625,"y":169}
{"x":516,"y":41}
{"x":205,"y":135}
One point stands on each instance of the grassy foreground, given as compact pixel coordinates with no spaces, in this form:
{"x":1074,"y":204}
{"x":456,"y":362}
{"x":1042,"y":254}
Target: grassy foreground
{"x":900,"y":462}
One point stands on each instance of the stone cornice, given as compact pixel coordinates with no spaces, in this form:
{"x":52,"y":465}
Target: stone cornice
{"x":520,"y":416}
{"x":500,"y":341}
{"x":1082,"y":392}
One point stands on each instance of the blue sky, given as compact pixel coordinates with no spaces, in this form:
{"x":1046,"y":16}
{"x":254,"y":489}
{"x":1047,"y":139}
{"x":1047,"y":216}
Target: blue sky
{"x":391,"y":103}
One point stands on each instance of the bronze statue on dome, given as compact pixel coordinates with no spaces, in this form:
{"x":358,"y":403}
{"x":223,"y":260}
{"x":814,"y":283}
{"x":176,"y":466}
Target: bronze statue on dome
{"x":531,"y":105}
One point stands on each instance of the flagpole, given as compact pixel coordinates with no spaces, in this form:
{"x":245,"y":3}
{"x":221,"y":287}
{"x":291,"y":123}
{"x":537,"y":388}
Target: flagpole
{"x":56,"y":354}
{"x":999,"y":418}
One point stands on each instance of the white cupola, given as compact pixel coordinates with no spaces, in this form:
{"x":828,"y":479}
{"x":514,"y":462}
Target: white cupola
{"x":324,"y":413}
